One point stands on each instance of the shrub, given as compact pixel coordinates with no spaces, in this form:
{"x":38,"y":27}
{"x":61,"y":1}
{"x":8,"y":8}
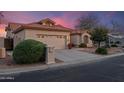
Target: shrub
{"x":114,"y":45}
{"x":28,"y":51}
{"x":118,"y":42}
{"x":73,"y":45}
{"x":82,"y":45}
{"x":70,"y":45}
{"x":101,"y":51}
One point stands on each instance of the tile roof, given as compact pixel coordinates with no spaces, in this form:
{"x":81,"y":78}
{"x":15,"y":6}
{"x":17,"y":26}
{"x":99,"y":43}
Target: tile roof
{"x":16,"y":27}
{"x":13,"y":26}
{"x":78,"y":32}
{"x":47,"y":19}
{"x":42,"y":27}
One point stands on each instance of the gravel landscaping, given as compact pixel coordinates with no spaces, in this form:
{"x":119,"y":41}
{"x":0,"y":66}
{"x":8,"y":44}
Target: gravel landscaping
{"x":111,"y":51}
{"x":9,"y":63}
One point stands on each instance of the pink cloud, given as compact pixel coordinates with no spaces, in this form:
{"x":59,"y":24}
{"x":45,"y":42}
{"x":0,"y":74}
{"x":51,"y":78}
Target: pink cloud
{"x":69,"y":19}
{"x":62,"y":21}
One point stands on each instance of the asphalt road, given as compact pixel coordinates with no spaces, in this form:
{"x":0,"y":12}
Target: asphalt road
{"x":109,"y":70}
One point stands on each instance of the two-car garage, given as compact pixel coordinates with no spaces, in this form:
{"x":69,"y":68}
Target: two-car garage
{"x":59,"y":42}
{"x":57,"y":39}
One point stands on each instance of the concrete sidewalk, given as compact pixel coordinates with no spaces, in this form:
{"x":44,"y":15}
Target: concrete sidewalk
{"x":57,"y":65}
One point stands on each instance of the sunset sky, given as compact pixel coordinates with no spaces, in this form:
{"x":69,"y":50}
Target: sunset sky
{"x":67,"y":19}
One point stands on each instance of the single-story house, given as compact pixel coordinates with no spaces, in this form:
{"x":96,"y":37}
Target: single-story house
{"x":45,"y":31}
{"x":116,"y":39}
{"x":48,"y":32}
{"x":78,"y":37}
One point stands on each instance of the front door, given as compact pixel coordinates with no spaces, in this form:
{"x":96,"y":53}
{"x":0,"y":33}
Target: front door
{"x":86,"y":39}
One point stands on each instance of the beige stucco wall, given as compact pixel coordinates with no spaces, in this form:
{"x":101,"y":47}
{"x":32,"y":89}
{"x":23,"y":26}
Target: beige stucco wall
{"x":18,"y":37}
{"x":51,"y":39}
{"x":90,"y":43}
{"x":76,"y":39}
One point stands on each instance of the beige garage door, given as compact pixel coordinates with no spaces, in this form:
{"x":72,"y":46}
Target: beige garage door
{"x":57,"y":41}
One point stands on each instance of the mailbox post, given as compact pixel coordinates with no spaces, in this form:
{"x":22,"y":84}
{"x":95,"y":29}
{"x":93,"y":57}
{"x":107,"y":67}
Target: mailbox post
{"x":50,"y":55}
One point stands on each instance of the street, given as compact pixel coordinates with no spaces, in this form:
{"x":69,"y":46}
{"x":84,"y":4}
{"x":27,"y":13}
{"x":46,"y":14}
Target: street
{"x":108,"y":70}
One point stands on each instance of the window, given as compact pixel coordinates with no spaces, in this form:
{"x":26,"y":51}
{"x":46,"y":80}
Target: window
{"x":38,"y":35}
{"x":42,"y":36}
{"x":60,"y":36}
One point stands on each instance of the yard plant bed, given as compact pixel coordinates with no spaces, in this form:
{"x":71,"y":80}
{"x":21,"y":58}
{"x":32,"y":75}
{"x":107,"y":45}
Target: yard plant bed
{"x":111,"y":51}
{"x":9,"y":63}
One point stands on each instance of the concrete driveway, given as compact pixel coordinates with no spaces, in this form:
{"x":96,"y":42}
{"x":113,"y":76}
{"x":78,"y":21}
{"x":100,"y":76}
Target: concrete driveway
{"x":74,"y":55}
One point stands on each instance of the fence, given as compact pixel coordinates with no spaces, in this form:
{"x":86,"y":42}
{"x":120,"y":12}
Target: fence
{"x":8,"y":44}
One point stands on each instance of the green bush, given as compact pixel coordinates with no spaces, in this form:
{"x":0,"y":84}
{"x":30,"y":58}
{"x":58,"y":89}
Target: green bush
{"x":117,"y":42}
{"x":82,"y":45}
{"x":29,"y":51}
{"x":111,"y":42}
{"x":114,"y":45}
{"x":101,"y":51}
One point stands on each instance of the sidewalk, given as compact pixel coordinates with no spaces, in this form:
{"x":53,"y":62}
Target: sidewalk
{"x":63,"y":64}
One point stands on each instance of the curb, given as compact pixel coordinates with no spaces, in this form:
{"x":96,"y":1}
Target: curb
{"x":51,"y":66}
{"x":20,"y":70}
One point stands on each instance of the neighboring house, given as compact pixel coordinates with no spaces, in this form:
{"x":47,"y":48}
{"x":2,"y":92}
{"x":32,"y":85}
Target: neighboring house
{"x":116,"y":39}
{"x":10,"y":28}
{"x":78,"y":37}
{"x":45,"y":31}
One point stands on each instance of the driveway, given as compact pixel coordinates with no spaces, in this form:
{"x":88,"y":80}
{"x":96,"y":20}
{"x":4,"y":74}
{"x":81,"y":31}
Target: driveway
{"x":72,"y":55}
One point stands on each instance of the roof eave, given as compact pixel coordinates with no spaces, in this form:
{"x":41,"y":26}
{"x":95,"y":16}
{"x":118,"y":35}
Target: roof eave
{"x":22,"y":28}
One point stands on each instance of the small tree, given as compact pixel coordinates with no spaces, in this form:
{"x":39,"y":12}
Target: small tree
{"x":99,"y":34}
